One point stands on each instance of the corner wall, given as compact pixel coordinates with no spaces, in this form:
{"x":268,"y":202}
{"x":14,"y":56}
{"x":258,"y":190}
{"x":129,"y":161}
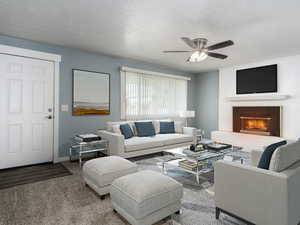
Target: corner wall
{"x":206,"y":101}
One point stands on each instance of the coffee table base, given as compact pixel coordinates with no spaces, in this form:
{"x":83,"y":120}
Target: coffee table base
{"x":175,"y":163}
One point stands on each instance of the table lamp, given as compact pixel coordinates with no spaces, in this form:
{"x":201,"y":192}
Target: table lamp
{"x":186,"y":115}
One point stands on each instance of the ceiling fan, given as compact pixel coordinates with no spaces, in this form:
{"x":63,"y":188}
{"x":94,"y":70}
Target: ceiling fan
{"x":200,"y":51}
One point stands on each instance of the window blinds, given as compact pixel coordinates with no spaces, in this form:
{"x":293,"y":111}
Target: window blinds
{"x":146,"y":95}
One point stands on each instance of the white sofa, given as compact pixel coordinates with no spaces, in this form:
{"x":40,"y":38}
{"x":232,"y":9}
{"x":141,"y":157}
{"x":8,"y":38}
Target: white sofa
{"x":262,"y":197}
{"x":249,"y":142}
{"x":137,"y":146}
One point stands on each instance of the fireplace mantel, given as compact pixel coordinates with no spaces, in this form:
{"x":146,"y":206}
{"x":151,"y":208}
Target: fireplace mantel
{"x":258,"y":97}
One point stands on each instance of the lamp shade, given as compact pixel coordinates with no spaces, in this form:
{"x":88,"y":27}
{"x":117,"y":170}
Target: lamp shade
{"x":187,"y":114}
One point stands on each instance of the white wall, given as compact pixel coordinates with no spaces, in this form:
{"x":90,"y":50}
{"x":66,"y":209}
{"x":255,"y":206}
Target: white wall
{"x":288,"y":83}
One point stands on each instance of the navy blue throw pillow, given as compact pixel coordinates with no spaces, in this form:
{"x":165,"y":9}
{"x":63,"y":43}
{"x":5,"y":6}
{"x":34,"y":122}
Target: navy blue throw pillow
{"x":166,"y":127}
{"x":265,"y":159}
{"x":126,"y":130}
{"x":144,"y":129}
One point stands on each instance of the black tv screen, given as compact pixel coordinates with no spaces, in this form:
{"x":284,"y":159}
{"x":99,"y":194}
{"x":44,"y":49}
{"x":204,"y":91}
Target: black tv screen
{"x":257,"y":80}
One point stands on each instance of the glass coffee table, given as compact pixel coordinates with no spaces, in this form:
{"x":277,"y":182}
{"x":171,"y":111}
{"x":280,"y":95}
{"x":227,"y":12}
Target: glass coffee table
{"x":200,"y":162}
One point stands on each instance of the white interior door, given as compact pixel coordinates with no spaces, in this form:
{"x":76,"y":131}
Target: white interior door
{"x":26,"y":105}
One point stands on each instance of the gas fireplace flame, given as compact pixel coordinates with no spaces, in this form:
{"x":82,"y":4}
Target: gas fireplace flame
{"x":256,"y":124}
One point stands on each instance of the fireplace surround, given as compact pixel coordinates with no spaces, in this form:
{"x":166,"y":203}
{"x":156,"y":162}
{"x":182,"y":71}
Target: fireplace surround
{"x":259,"y":120}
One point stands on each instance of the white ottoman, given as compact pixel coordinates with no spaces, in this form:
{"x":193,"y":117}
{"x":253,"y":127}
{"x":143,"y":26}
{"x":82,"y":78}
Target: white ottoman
{"x":145,"y":197}
{"x":101,"y":172}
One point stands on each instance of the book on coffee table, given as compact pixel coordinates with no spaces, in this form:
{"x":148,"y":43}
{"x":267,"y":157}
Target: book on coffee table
{"x":190,"y":165}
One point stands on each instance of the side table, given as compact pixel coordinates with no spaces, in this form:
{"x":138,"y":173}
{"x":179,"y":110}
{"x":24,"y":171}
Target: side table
{"x":82,"y":148}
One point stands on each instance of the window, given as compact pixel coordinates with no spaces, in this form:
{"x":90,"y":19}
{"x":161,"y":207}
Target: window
{"x":147,"y":94}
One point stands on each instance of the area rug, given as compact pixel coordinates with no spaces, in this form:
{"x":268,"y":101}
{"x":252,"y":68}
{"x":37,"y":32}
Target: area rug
{"x":67,"y":201}
{"x":30,"y":174}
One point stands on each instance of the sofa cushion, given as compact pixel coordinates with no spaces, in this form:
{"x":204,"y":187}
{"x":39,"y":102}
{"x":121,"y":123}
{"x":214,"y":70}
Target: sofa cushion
{"x":145,"y":129}
{"x":266,"y":156}
{"x":139,"y":143}
{"x":126,"y":131}
{"x":145,"y":192}
{"x":115,"y":126}
{"x":110,"y":125}
{"x":156,"y":126}
{"x":179,"y":126}
{"x":116,"y":129}
{"x":172,"y":139}
{"x":167,"y":127}
{"x":159,"y":140}
{"x":285,"y":156}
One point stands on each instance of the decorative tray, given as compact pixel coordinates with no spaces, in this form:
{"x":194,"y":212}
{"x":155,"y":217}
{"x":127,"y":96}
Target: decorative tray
{"x":216,"y":146}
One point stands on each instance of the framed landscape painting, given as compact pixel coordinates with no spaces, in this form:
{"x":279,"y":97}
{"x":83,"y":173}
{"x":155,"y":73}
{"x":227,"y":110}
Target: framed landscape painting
{"x":91,"y":93}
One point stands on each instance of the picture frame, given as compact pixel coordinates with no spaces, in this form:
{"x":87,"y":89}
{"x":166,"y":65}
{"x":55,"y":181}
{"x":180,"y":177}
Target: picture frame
{"x":91,"y":93}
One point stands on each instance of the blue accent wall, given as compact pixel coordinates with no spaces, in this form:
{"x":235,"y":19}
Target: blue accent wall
{"x":206,"y":96}
{"x":74,"y":58}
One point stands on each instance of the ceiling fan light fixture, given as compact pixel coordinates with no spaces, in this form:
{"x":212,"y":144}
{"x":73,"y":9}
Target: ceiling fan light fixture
{"x":198,"y":56}
{"x":200,"y":51}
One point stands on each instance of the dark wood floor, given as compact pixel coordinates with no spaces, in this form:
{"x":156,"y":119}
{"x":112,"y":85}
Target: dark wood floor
{"x":29,"y":174}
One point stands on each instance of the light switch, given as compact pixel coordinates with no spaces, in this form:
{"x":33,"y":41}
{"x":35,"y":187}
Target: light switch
{"x":64,"y":108}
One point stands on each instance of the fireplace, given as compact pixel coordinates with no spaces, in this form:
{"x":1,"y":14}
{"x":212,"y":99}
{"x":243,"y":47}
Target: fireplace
{"x":260,"y":120}
{"x":256,"y":125}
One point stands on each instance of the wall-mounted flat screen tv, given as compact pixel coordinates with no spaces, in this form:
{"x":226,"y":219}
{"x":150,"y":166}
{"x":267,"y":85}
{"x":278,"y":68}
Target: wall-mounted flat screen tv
{"x":256,"y":80}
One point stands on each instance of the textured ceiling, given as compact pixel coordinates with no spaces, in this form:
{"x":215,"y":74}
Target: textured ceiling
{"x":141,"y":29}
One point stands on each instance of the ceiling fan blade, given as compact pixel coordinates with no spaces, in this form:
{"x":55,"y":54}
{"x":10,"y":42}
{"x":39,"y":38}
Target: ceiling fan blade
{"x":216,"y":55}
{"x":189,"y":42}
{"x":175,"y":51}
{"x":220,"y":45}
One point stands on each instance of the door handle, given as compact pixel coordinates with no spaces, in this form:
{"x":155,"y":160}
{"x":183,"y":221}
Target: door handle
{"x":49,"y":117}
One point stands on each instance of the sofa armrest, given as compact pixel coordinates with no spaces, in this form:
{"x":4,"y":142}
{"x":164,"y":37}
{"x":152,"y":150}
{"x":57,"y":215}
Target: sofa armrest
{"x":255,"y":156}
{"x":257,"y":195}
{"x":115,"y":142}
{"x":190,"y":131}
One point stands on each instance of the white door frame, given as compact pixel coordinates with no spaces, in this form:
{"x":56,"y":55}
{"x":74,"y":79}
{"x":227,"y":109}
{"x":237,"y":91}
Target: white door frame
{"x":56,"y":59}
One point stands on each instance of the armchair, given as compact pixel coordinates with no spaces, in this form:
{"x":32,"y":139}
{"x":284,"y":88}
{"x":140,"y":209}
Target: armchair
{"x":258,"y":196}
